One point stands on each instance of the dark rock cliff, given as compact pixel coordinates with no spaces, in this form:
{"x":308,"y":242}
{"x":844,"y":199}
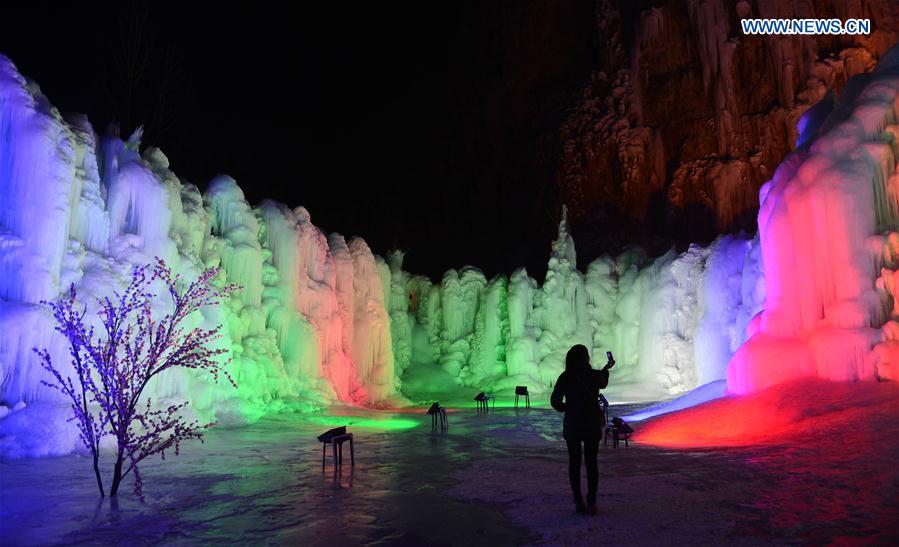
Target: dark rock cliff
{"x":684,"y":117}
{"x":656,"y":122}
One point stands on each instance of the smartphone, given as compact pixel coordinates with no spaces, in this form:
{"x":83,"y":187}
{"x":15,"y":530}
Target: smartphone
{"x":609,"y":355}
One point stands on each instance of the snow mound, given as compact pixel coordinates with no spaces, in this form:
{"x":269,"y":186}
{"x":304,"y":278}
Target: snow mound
{"x":775,"y":415}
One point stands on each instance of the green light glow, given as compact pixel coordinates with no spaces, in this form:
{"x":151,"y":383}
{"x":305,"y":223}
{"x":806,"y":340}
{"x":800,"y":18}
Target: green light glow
{"x":501,"y":402}
{"x":386,"y":423}
{"x":504,"y":404}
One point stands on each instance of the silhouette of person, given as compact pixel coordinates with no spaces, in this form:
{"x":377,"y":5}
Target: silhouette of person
{"x":576,"y":393}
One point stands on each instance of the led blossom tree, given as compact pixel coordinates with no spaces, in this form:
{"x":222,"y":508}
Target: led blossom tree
{"x":114,"y":364}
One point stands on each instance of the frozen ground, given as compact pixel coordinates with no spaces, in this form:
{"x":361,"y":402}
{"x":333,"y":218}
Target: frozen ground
{"x":805,"y":462}
{"x":496,"y":480}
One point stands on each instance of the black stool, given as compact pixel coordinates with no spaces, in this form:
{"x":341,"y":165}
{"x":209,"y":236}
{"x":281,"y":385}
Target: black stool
{"x":438,"y":412}
{"x":618,"y":431}
{"x":336,"y":437}
{"x":522,"y":391}
{"x":483,"y":399}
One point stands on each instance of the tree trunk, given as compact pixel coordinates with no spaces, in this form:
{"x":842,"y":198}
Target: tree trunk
{"x":116,"y":476}
{"x":97,"y":473}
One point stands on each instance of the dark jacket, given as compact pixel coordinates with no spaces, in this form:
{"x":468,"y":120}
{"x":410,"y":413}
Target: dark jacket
{"x":580,"y":391}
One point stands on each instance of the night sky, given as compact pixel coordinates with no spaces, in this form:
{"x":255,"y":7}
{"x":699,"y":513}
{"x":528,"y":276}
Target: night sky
{"x":376,"y":116}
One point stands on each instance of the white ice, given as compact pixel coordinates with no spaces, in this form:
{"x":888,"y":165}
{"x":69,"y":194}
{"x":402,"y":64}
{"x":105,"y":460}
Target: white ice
{"x":322,"y":318}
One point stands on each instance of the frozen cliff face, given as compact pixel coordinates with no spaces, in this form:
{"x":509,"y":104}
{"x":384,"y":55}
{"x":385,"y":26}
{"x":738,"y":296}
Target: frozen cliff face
{"x":672,"y":323}
{"x":460,"y":297}
{"x":37,"y":167}
{"x":399,"y":295}
{"x":825,"y":226}
{"x":487,"y":364}
{"x":372,"y":351}
{"x":322,"y":319}
{"x":560,"y":307}
{"x":310,"y":323}
{"x":686,"y":114}
{"x":719,"y":331}
{"x":669,"y":317}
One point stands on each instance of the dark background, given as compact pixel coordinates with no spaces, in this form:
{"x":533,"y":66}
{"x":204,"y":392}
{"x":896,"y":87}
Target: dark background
{"x":424,"y":126}
{"x":455,"y":130}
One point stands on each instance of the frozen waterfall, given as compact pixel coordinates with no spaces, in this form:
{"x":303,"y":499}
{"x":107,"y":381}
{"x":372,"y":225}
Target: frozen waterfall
{"x":321,"y":319}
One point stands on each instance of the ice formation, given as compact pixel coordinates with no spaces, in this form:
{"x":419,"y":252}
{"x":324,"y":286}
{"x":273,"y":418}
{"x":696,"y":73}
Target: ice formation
{"x":310,"y":321}
{"x":826,"y":226}
{"x":321,"y":319}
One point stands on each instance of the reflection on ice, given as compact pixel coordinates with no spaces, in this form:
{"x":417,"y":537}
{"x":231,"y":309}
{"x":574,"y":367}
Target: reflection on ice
{"x":266,"y":481}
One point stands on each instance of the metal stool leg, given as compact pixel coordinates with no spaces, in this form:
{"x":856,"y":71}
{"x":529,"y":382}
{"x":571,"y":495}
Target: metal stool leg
{"x":352,"y":452}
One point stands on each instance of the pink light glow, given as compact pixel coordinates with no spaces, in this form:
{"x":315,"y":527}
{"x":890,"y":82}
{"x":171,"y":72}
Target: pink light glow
{"x":780,"y":413}
{"x":820,"y":222}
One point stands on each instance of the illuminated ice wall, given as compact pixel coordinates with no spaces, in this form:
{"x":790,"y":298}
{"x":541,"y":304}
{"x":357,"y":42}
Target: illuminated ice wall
{"x":321,"y":318}
{"x":828,"y":243}
{"x":310,"y":322}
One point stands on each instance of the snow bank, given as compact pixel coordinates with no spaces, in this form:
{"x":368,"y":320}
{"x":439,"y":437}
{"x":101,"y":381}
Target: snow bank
{"x":702,"y":394}
{"x":776,"y":414}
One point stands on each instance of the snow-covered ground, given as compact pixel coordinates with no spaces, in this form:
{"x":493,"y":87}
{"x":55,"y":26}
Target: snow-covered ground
{"x":810,"y":462}
{"x":498,"y":479}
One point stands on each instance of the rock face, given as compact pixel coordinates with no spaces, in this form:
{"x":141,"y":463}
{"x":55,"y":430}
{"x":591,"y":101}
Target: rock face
{"x":684,"y":117}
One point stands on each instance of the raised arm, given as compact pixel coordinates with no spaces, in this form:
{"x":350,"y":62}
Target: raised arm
{"x":603,"y":374}
{"x":602,"y":378}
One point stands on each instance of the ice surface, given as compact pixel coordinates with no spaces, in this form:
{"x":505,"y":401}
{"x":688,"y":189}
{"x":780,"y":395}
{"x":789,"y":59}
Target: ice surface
{"x":496,"y":480}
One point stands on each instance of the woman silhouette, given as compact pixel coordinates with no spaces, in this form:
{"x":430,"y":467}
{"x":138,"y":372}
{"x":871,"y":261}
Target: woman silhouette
{"x":576,"y":394}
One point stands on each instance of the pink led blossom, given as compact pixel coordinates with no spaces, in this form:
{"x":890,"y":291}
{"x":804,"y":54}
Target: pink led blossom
{"x":113,"y":365}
